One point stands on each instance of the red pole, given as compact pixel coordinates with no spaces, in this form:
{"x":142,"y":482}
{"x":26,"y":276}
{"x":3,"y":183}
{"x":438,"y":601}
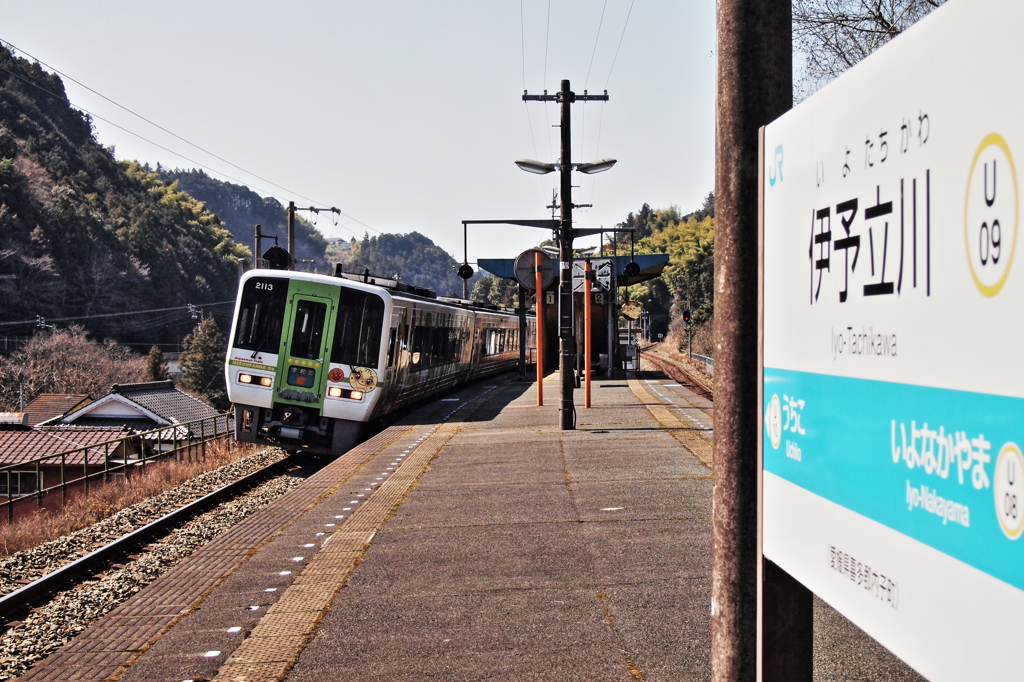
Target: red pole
{"x":540,"y":332}
{"x":587,"y":332}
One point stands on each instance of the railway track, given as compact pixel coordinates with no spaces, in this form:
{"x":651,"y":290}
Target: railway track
{"x":678,"y":371}
{"x":61,"y":603}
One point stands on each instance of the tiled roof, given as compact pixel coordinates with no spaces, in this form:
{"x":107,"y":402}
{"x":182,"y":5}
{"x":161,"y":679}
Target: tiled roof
{"x":164,"y":400}
{"x":25,"y":446}
{"x":50,"y":405}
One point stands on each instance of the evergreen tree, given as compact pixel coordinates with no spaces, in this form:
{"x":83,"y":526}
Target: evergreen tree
{"x":156,"y":368}
{"x":202,"y":362}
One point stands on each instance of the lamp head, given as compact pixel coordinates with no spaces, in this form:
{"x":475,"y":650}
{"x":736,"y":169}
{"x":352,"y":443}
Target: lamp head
{"x":538,"y":167}
{"x":595,"y":166}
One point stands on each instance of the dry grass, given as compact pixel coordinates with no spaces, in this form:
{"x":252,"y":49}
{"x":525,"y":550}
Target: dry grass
{"x":49,"y":524}
{"x":674,"y":346}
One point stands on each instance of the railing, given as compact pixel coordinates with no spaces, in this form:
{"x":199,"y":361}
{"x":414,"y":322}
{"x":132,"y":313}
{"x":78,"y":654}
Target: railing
{"x":185,"y":441}
{"x":709,"y":363}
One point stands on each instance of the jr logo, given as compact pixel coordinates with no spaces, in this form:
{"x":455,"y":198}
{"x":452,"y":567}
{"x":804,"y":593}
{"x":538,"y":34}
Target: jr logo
{"x":776,"y":166}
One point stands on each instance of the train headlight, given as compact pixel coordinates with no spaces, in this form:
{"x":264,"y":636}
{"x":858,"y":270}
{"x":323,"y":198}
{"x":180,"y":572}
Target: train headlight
{"x":337,"y":392}
{"x":246,"y":378}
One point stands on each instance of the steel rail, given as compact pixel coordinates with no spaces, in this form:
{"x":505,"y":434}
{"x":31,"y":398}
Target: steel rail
{"x":668,"y":364}
{"x":23,"y":598}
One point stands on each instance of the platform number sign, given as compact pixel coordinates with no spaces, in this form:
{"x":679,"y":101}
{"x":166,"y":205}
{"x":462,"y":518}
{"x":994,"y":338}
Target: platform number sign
{"x":991,"y":215}
{"x":1008,"y":486}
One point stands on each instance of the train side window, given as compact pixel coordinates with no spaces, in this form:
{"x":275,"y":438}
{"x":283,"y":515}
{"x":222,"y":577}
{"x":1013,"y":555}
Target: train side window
{"x":359,"y":329}
{"x":392,"y":347}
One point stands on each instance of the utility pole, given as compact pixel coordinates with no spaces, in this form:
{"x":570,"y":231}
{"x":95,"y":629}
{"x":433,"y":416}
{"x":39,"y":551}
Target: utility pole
{"x":291,"y":228}
{"x":566,"y":338}
{"x":291,"y":235}
{"x":761,"y":618}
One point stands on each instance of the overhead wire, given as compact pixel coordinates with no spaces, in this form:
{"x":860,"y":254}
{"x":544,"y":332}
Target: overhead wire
{"x":547,"y":121}
{"x":600,"y":120}
{"x":108,"y":315}
{"x":593,"y":53}
{"x":522,"y":36}
{"x":169,"y":132}
{"x":614,"y":59}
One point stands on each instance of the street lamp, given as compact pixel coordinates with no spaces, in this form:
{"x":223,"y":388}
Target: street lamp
{"x":541,"y":168}
{"x":566,"y":342}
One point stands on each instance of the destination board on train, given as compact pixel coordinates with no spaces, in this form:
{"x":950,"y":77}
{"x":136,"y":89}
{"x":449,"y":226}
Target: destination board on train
{"x":893,"y":370}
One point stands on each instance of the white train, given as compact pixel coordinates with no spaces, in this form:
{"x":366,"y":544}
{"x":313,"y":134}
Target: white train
{"x":313,"y":358}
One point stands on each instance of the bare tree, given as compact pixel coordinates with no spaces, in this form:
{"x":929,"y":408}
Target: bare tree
{"x":65,"y":361}
{"x":833,"y":35}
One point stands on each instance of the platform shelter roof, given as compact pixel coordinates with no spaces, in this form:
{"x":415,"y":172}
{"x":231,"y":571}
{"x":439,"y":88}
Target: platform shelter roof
{"x":651,"y":266}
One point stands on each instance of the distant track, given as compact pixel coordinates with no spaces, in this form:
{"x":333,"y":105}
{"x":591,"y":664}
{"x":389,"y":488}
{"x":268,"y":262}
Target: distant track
{"x":678,"y":371}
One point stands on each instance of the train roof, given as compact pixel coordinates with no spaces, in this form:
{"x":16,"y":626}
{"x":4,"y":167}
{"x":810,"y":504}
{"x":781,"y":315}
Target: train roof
{"x":387,"y":285}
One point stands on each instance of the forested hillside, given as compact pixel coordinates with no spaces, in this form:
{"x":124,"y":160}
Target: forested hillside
{"x":415,"y":258}
{"x":240,"y":209}
{"x":82,"y":235}
{"x":688,"y":280}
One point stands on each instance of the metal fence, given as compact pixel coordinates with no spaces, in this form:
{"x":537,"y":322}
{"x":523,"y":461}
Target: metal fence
{"x":76,"y":471}
{"x":709,"y":363}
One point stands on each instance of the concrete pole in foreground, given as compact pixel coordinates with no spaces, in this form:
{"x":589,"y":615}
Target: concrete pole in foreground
{"x":755,"y":86}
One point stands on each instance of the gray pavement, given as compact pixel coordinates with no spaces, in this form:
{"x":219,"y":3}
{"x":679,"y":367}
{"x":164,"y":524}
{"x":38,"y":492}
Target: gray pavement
{"x":528,"y":553}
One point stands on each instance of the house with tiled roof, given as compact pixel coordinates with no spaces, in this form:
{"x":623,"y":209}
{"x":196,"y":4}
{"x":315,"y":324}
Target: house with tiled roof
{"x":140,"y":407}
{"x":93,"y":435}
{"x":34,"y":454}
{"x":47,"y":406}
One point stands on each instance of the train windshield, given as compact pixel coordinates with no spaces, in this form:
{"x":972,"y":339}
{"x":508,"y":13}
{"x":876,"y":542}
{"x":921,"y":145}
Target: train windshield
{"x":308,"y":333}
{"x":261,"y":314}
{"x":359,"y":329}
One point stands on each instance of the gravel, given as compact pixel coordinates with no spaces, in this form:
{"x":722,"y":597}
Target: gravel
{"x":69,"y":613}
{"x":31,"y":564}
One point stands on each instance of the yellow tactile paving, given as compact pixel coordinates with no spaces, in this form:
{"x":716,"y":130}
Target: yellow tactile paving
{"x":282,"y":634}
{"x":683,"y":431}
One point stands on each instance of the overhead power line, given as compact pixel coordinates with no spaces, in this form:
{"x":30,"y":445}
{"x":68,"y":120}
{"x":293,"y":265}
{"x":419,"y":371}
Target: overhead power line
{"x":105,"y":315}
{"x":169,"y":132}
{"x":596,"y":39}
{"x":620,"y":44}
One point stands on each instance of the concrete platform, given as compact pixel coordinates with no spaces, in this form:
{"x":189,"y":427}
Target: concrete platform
{"x":484,"y":544}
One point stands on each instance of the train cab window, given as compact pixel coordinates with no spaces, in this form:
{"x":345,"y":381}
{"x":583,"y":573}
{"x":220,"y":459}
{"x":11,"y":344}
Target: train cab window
{"x":261,"y":314}
{"x":358,"y":329}
{"x":308,"y":332}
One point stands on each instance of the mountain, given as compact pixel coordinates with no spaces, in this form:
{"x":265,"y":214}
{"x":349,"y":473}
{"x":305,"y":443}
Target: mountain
{"x":241,"y":209}
{"x":414,"y":257}
{"x":84,"y":236}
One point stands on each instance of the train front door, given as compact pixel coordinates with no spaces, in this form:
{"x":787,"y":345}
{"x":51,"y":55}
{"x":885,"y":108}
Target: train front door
{"x":304,"y":347}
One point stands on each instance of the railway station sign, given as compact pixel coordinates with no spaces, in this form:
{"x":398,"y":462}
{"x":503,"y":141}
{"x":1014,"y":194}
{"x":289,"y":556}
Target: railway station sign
{"x":603,"y":271}
{"x":893,"y":377}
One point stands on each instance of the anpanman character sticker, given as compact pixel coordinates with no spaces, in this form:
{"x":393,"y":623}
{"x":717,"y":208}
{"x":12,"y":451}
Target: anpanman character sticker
{"x":363,"y":379}
{"x":336,"y":375}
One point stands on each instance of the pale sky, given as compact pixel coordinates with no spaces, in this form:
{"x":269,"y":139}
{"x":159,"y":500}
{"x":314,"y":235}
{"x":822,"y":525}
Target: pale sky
{"x":405,"y":115}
